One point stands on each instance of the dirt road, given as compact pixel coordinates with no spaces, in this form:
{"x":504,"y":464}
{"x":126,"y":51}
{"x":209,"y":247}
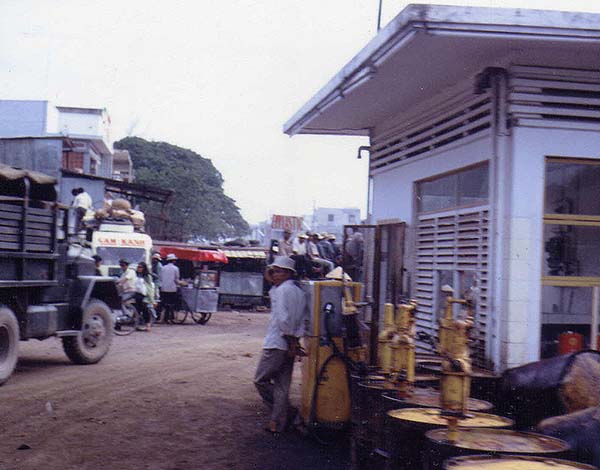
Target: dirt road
{"x":180,"y":397}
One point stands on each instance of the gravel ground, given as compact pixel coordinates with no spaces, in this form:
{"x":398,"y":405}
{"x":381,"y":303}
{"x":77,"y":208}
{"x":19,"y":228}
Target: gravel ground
{"x":179,"y":397}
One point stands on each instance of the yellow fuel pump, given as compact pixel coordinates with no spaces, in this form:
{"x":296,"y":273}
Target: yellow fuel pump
{"x":332,"y":345}
{"x":403,"y":349}
{"x":384,"y":349}
{"x":456,"y":364}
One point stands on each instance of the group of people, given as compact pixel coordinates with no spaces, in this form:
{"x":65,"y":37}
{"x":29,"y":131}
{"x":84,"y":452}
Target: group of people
{"x":315,"y":254}
{"x":148,"y":286}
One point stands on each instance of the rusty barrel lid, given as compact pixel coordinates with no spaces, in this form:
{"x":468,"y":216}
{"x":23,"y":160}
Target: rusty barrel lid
{"x":433,"y":416}
{"x":383,"y":384}
{"x":500,"y":440}
{"x":511,"y":462}
{"x":379,"y":385}
{"x":431,"y":399}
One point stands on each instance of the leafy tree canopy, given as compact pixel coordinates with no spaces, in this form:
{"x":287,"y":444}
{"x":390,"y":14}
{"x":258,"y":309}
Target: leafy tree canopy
{"x":200,"y":208}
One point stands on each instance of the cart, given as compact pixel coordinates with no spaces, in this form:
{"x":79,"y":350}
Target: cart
{"x":199,"y":298}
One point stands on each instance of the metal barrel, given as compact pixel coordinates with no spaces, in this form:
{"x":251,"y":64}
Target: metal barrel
{"x":373,"y":411}
{"x":550,"y":387}
{"x":474,"y":441}
{"x":406,"y":432}
{"x":427,"y":398}
{"x":362,"y":445}
{"x":420,"y":398}
{"x":511,"y":462}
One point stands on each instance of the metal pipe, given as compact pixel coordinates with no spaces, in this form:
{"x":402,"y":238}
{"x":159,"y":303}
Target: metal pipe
{"x":379,"y":16}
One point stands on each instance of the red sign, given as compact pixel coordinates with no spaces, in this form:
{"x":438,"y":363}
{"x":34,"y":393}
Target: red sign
{"x":290,"y":222}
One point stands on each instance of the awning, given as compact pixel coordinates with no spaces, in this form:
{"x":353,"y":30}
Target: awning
{"x":190,"y":254}
{"x":245,"y":254}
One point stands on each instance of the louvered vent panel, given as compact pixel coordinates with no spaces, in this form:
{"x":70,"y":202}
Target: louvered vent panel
{"x":457,"y":242}
{"x":569,"y":97}
{"x":458,"y":118}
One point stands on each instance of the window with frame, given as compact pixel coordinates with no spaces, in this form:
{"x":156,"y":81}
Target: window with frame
{"x":463,"y":188}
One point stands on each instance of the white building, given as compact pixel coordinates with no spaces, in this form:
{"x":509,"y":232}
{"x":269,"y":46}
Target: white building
{"x":484,"y":138}
{"x":83,"y":134}
{"x":332,"y":220}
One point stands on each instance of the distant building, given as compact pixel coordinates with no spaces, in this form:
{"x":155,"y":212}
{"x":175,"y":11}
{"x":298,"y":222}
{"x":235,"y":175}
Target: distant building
{"x":57,"y":140}
{"x":122,"y":166}
{"x":332,"y":220}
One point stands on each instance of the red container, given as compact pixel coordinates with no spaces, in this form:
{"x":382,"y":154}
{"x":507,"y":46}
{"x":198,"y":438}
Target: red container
{"x":570,"y":342}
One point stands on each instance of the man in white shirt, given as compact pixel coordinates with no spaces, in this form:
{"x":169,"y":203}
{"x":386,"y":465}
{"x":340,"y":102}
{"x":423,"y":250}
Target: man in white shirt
{"x":82,"y":203}
{"x":281,"y":344}
{"x":126,"y":282}
{"x":299,"y":244}
{"x":169,"y":281}
{"x":285,"y":244}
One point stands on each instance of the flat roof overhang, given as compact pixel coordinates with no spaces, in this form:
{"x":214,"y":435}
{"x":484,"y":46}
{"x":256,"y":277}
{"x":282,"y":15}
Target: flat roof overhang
{"x":429,"y":48}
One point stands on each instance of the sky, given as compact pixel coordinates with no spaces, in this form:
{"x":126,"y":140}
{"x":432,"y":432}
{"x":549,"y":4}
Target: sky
{"x":219,"y":77}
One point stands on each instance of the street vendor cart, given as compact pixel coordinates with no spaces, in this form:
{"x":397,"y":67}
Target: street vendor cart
{"x":199,"y":294}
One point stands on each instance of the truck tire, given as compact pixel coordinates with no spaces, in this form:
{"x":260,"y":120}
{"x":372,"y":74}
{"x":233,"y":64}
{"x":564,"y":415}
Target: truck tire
{"x":94,"y":340}
{"x":9,"y":343}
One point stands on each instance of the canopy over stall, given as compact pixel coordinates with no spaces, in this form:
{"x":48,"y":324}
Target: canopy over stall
{"x":191,"y":254}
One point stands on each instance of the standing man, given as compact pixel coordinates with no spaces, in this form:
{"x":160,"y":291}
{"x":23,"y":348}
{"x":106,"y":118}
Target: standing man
{"x":82,"y":203}
{"x":281,"y":344}
{"x":169,"y":280}
{"x":155,"y":271}
{"x":285,"y":244}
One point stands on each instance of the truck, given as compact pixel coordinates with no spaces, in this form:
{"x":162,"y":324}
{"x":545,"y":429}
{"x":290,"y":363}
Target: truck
{"x":48,"y":286}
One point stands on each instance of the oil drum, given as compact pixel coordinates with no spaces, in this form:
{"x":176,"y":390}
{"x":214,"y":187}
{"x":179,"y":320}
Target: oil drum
{"x":472,"y":441}
{"x":358,"y":412}
{"x":427,"y":398}
{"x":406,"y":428}
{"x":570,"y":342}
{"x":511,"y":462}
{"x":372,"y":410}
{"x":551,"y":387}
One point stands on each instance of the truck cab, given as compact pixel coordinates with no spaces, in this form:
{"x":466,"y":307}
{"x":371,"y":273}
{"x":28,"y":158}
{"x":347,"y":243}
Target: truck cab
{"x":116,"y":240}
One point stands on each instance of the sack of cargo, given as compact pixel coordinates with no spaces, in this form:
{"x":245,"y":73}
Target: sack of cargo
{"x":120,"y":214}
{"x":121,"y":205}
{"x":138,"y":218}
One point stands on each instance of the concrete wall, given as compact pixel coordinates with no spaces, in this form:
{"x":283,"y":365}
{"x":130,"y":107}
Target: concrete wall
{"x":72,"y":123}
{"x":23,"y":118}
{"x":521,"y":300}
{"x":44,"y":155}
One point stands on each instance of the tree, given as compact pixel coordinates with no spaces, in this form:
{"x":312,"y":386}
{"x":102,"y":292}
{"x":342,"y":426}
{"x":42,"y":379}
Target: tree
{"x":200,"y":208}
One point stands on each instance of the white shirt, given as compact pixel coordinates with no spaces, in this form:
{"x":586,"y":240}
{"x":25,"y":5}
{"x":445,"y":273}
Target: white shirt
{"x":127,"y":280}
{"x":169,"y":275}
{"x":83,"y":200}
{"x":299,"y":248}
{"x":285,"y":247}
{"x":288,"y":315}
